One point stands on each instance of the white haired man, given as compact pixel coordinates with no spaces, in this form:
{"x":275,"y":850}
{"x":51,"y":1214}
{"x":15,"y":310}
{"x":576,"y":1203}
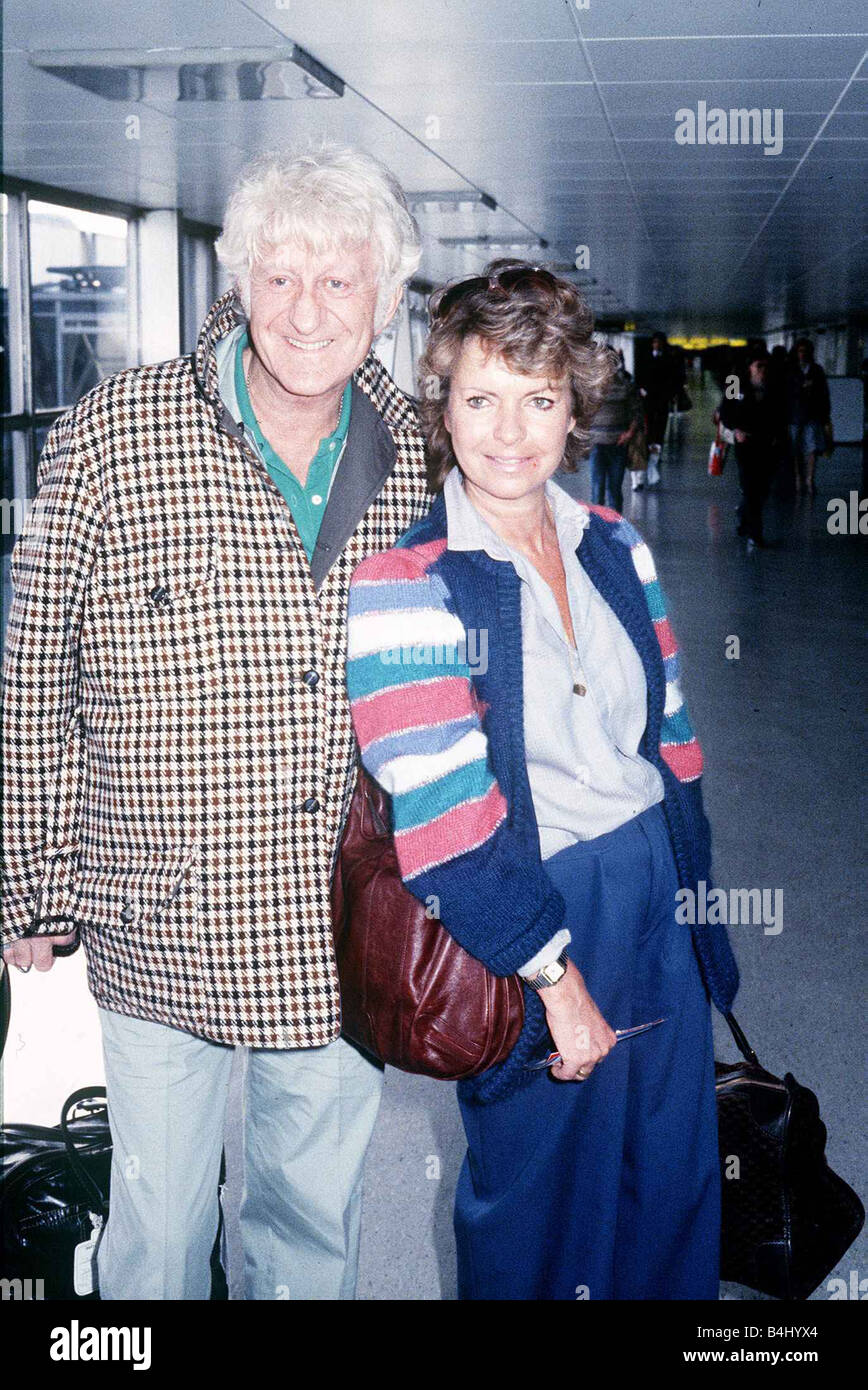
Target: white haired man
{"x":179,"y":749}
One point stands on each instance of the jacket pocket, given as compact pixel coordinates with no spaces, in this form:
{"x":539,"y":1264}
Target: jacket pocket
{"x":154,"y":627}
{"x":139,"y":927}
{"x":138,"y":901}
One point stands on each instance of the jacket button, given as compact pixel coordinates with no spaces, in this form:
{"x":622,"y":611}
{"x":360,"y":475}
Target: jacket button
{"x":310,"y":805}
{"x":311,"y":679}
{"x":159,"y":594}
{"x":128,"y":914}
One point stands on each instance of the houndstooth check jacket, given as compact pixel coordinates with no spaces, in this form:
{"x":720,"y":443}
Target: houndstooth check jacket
{"x":178,"y":746}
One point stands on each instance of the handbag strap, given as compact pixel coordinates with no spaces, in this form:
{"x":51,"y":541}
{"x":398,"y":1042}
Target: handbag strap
{"x":75,"y":1163}
{"x":741,"y":1041}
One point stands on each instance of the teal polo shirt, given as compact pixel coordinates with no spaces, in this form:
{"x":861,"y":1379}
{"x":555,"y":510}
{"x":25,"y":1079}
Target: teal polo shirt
{"x":307,"y":503}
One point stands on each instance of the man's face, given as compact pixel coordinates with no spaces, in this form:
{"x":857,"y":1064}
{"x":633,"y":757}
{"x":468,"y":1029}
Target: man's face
{"x":656,"y":346}
{"x":803,"y":353}
{"x":312,"y":316}
{"x":758,"y":373}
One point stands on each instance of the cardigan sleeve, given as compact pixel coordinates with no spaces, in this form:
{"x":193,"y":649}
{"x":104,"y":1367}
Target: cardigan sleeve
{"x":417,"y":720}
{"x":679,"y":747}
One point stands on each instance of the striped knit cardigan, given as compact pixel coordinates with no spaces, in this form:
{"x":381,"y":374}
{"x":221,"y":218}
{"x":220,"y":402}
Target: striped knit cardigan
{"x":445,"y":739}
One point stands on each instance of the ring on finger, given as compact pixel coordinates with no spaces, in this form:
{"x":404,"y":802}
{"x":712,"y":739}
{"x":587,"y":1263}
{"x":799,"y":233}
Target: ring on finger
{"x":24,"y":968}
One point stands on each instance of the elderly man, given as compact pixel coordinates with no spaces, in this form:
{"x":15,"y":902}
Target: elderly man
{"x":179,"y":748}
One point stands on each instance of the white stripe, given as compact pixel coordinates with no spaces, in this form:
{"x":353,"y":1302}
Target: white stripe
{"x":674,"y":698}
{"x":378,"y":632}
{"x":413,"y":770}
{"x":644,"y":563}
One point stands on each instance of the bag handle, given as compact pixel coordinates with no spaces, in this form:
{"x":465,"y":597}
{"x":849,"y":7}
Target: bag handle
{"x":741,"y":1041}
{"x":75,"y":1163}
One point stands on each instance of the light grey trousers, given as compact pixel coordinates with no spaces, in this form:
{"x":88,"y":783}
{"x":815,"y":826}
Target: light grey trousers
{"x":308,"y":1119}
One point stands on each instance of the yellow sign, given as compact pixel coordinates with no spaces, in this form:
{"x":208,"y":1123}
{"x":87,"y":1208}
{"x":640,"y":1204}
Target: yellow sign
{"x":700,"y":344}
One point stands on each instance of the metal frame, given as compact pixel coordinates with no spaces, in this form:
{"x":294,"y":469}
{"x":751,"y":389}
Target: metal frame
{"x":22,"y":421}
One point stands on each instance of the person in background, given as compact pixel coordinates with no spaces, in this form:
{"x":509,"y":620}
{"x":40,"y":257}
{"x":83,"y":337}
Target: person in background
{"x":754,"y":417}
{"x":810,"y":413}
{"x":657,"y":385}
{"x":179,"y":753}
{"x":776,"y":381}
{"x":551,"y":802}
{"x":612,"y":428}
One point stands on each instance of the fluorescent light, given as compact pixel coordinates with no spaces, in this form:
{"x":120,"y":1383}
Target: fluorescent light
{"x":206,"y":74}
{"x":501,"y":242}
{"x":467,"y":199}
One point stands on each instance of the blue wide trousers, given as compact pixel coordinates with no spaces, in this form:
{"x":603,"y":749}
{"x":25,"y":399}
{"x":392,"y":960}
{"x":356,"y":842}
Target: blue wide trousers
{"x":608,"y":1188}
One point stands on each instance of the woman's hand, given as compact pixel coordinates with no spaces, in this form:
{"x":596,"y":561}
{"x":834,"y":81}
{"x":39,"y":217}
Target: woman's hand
{"x":581,"y":1034}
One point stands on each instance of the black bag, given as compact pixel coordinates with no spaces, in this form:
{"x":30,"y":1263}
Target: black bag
{"x":787,"y":1218}
{"x":683,"y":402}
{"x":54,"y":1191}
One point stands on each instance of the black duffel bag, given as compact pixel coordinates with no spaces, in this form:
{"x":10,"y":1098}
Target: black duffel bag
{"x":54,"y":1198}
{"x":787,"y":1217}
{"x":54,"y":1187}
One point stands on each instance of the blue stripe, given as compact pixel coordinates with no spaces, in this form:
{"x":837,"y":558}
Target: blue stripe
{"x":654,"y":599}
{"x":676,"y":727}
{"x":424,"y":804}
{"x":387,"y":596}
{"x":672,"y":666}
{"x":422,"y":742}
{"x":626,"y":534}
{"x":368,"y":675}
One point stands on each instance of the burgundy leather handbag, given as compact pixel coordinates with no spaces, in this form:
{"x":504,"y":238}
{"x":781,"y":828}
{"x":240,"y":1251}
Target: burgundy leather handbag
{"x":410,"y":994}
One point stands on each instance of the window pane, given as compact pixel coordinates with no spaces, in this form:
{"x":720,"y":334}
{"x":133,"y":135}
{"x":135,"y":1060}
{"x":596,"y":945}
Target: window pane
{"x":78,"y":276}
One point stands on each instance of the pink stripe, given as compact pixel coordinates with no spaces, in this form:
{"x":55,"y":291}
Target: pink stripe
{"x":463,"y":828}
{"x":666,"y":637}
{"x":429,"y":551}
{"x":605,"y":512}
{"x":398,"y":563}
{"x":412,"y":705}
{"x":685,"y":759}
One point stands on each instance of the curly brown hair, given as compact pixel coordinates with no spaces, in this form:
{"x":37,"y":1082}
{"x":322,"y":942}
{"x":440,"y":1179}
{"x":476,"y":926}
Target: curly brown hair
{"x":538,"y":323}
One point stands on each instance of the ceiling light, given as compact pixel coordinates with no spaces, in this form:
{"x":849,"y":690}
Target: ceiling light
{"x":503,"y":243}
{"x":467,"y":200}
{"x":206,"y":74}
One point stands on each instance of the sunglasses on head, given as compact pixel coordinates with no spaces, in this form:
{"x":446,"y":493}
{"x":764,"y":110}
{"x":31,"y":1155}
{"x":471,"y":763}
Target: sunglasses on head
{"x":500,"y":284}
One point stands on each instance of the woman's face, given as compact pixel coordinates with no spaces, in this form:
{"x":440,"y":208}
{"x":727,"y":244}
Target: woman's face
{"x":508,"y":430}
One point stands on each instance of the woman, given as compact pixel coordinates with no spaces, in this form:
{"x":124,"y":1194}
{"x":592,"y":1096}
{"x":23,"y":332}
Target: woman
{"x":612,"y":428}
{"x":552,"y":809}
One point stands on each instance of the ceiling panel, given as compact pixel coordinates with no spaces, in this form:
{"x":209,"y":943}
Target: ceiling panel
{"x":704,"y":60}
{"x":565,"y":116}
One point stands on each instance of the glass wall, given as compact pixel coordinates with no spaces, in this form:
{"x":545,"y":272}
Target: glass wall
{"x":65,"y":326}
{"x":78,"y":298}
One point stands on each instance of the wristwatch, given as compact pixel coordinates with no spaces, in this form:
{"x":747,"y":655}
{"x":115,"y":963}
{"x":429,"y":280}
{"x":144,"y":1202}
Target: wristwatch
{"x":550,"y":974}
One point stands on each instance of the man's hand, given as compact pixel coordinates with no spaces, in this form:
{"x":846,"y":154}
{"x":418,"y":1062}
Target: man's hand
{"x":626,"y":436}
{"x":35,"y":950}
{"x":581,"y":1034}
{"x":740,"y":436}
